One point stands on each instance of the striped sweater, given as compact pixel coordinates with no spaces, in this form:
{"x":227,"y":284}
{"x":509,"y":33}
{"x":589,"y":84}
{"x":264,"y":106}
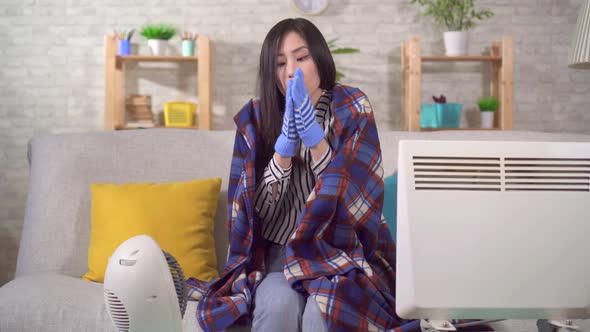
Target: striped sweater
{"x":281,"y":193}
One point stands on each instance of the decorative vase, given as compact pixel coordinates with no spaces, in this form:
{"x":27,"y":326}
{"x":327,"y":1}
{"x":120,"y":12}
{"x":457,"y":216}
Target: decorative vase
{"x":487,"y":119}
{"x":158,"y":46}
{"x":456,"y":42}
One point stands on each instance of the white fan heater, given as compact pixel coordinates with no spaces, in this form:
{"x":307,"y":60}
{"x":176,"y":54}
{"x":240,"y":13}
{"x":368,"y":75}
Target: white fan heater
{"x":144,"y":288}
{"x":493,"y":230}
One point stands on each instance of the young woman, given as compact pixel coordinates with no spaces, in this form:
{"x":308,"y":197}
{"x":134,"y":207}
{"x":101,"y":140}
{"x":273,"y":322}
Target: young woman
{"x":308,"y":250}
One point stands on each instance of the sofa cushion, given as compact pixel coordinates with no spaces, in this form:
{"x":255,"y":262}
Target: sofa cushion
{"x":390,"y":204}
{"x":56,"y":231}
{"x":178,"y":215}
{"x":50,"y":302}
{"x":58,"y":303}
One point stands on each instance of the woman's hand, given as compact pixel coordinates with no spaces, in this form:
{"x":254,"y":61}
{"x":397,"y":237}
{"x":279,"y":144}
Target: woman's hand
{"x":286,"y":144}
{"x":308,"y":128}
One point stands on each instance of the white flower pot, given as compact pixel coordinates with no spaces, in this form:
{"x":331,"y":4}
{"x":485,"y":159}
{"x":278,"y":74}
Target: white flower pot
{"x":158,"y":46}
{"x":456,"y":42}
{"x":487,"y":119}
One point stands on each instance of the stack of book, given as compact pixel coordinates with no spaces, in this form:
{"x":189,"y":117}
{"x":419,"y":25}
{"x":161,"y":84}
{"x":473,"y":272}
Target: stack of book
{"x":138,"y":111}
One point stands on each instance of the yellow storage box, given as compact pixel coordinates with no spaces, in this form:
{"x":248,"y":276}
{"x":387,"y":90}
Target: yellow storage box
{"x":179,"y":114}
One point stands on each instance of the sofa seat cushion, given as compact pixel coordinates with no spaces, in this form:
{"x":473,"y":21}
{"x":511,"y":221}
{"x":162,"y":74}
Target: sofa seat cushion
{"x":51,"y":302}
{"x":59,"y":303}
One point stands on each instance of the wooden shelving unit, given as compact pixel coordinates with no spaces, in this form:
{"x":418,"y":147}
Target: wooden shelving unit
{"x":114,"y":81}
{"x":501,"y":85}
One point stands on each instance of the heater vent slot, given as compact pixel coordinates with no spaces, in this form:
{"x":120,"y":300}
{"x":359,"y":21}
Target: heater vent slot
{"x":501,"y":174}
{"x":547,"y":174}
{"x":457,"y":173}
{"x":179,"y":281}
{"x":117,"y":311}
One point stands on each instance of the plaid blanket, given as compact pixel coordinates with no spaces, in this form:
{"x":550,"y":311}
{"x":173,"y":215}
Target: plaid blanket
{"x":341,"y":253}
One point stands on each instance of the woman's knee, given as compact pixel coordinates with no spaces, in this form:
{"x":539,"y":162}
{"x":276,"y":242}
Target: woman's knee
{"x":276,"y":305}
{"x":312,"y":319}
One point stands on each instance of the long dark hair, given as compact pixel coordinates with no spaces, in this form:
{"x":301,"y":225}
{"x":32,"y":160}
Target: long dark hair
{"x":272,"y":101}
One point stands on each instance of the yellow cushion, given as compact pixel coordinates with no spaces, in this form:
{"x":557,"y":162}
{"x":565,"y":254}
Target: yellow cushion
{"x":178,"y":215}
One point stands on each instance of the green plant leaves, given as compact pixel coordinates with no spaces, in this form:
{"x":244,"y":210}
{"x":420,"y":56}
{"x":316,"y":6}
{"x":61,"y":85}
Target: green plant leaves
{"x":158,"y":31}
{"x":456,"y":15}
{"x":340,"y":50}
{"x":345,"y":50}
{"x":488,"y":104}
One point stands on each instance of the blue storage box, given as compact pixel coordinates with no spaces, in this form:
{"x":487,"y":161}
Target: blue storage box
{"x":440,"y":115}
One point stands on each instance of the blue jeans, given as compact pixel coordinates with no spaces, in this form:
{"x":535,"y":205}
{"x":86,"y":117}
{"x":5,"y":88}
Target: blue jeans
{"x":277,"y":307}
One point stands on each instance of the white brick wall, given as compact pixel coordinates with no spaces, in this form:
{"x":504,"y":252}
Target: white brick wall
{"x":51,"y":73}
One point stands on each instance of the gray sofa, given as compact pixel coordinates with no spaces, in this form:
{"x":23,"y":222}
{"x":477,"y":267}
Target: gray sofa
{"x":48,"y":293}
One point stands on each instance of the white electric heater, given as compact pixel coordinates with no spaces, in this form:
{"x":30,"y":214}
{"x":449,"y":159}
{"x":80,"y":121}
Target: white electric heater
{"x":493,"y":230}
{"x":144,"y":288}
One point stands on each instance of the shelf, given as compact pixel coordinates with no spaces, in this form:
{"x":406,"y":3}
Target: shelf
{"x":465,"y":58}
{"x":458,"y":129}
{"x":152,"y":127}
{"x":156,"y":58}
{"x":114,"y":82}
{"x":501,"y":85}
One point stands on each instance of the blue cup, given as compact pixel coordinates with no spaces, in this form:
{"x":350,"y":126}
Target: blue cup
{"x":188,"y":47}
{"x":124,"y":47}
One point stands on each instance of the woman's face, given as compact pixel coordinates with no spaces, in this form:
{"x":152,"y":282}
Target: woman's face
{"x":294,"y":53}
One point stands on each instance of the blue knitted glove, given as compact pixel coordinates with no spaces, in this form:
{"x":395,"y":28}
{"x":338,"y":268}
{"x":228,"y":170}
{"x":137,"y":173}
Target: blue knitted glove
{"x":308,"y":128}
{"x":286,"y":144}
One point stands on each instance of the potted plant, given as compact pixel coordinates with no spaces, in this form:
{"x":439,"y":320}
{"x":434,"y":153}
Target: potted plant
{"x":158,"y":36}
{"x":340,"y":50}
{"x":457,"y":16}
{"x":488,"y":106}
